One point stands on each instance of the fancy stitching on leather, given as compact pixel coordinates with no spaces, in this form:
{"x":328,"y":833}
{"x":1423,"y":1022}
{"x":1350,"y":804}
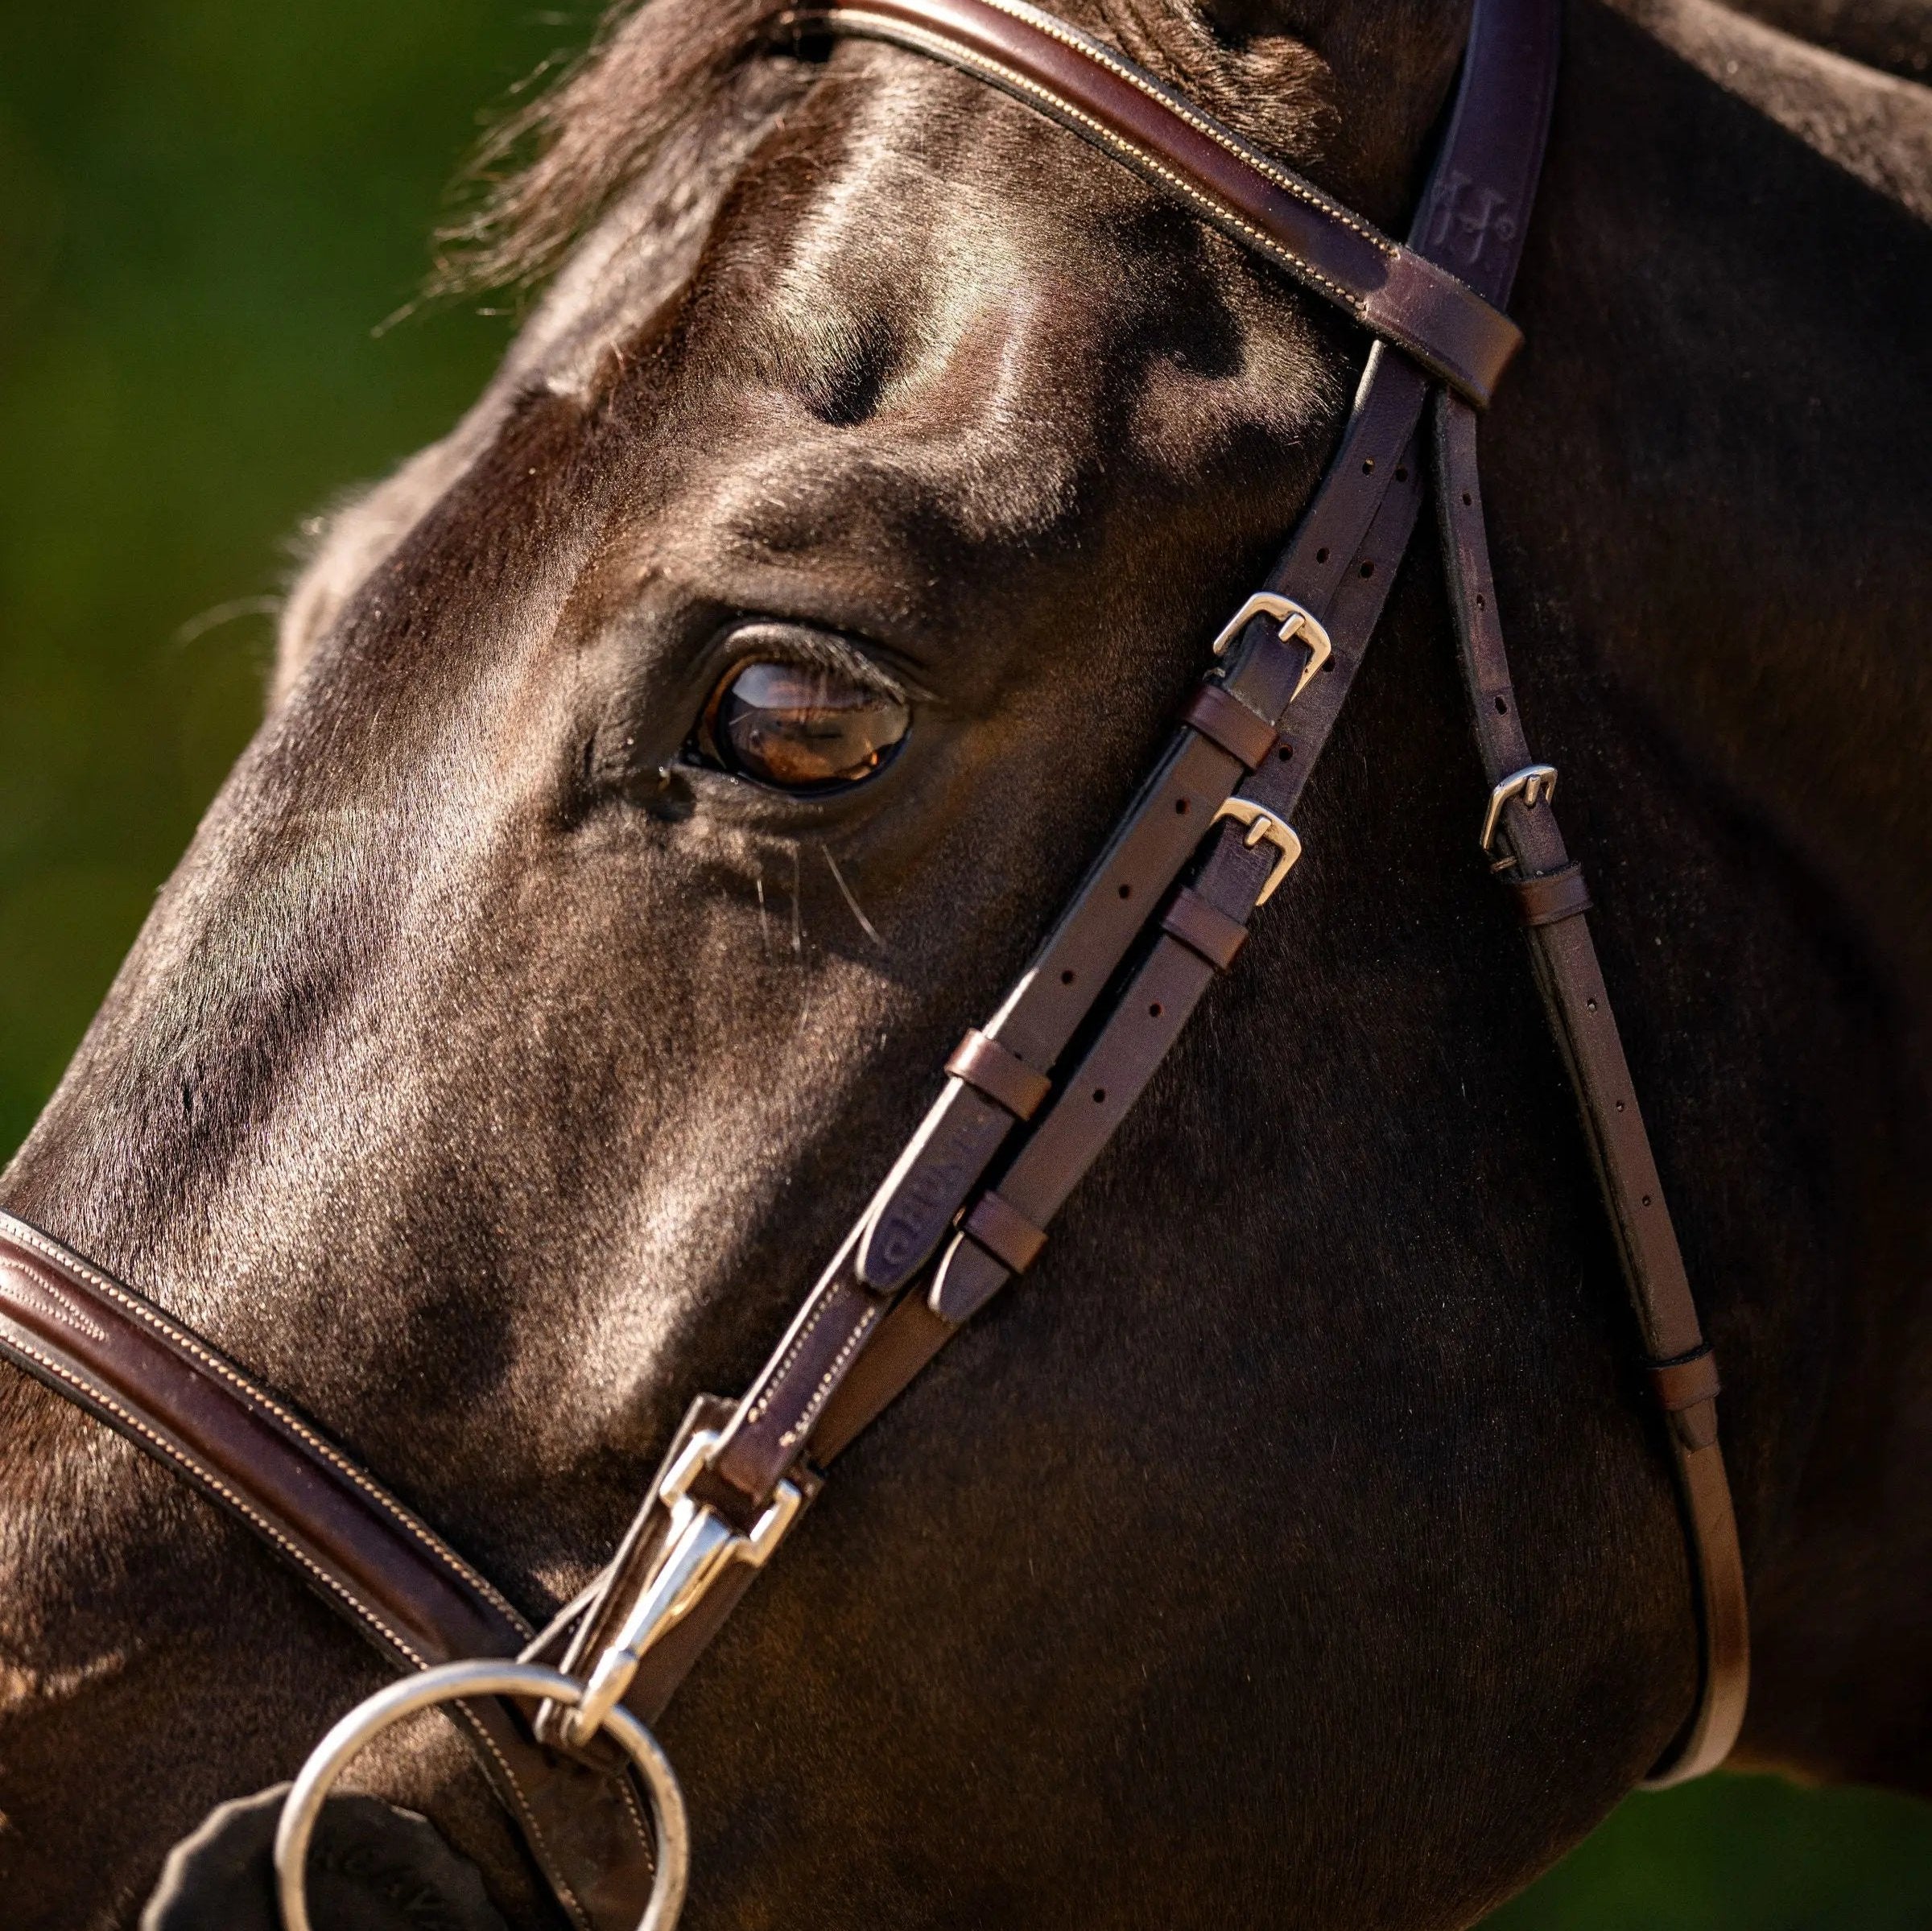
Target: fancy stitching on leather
{"x":1057,"y":107}
{"x":828,"y":1381}
{"x":776,"y":1379}
{"x":69,"y":1312}
{"x":19,"y":1231}
{"x":1224,"y":138}
{"x":1182,"y":109}
{"x":92,"y":1395}
{"x":552,"y":1869}
{"x":627,"y":1790}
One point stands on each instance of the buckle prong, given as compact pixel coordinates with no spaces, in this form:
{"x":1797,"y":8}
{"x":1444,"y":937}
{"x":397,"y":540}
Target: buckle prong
{"x":1262,"y":823}
{"x":1298,"y":624}
{"x":1534,"y":784}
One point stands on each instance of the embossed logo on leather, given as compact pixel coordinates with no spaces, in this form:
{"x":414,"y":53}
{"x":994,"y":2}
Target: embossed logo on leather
{"x":1465,"y":215}
{"x":909,"y":1225}
{"x":32,"y":1284}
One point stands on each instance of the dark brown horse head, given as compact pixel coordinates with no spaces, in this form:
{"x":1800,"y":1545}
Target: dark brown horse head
{"x":664,"y":768}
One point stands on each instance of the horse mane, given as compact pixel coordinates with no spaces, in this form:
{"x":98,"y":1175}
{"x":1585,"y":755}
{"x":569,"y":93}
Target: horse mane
{"x":549,"y":168}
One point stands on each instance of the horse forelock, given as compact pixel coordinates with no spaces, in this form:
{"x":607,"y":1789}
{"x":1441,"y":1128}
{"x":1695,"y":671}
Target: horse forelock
{"x":605,"y":187}
{"x":1289,"y":74}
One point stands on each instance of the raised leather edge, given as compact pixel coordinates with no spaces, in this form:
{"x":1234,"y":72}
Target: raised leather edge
{"x":1004,"y":1232}
{"x":1217,"y":714}
{"x":1547,"y":898}
{"x":1204,"y":929}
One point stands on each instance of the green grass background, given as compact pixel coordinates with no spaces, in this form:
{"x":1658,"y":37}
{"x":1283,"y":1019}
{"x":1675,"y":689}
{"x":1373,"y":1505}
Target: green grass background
{"x":205,"y":205}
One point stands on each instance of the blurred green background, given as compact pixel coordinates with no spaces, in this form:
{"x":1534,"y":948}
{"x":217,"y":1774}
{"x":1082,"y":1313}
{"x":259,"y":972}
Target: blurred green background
{"x":205,"y":207}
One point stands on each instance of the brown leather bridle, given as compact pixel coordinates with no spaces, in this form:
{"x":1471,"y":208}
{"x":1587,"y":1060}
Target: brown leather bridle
{"x":1164,"y":909}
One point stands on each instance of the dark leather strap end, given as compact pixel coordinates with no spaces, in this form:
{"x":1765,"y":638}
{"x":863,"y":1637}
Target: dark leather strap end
{"x":1005,"y":1079}
{"x":1225,"y":720}
{"x":1005,"y":1232}
{"x":968,"y":1277}
{"x":1551,"y":896}
{"x":1204,"y":929}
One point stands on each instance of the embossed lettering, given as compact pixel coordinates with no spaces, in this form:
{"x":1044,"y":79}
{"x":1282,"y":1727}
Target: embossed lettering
{"x":909,"y":1225}
{"x":1465,"y":216}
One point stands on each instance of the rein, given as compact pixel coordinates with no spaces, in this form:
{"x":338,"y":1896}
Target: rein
{"x":1164,"y":909}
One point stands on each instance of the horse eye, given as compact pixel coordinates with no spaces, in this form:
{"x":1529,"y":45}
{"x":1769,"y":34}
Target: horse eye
{"x":800,"y":726}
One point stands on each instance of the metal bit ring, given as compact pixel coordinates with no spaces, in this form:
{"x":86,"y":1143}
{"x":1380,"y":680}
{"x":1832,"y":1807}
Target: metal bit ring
{"x":454,"y":1681}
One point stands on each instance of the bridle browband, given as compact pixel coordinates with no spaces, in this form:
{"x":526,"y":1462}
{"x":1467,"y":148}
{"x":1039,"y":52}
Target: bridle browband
{"x":1165,"y":908}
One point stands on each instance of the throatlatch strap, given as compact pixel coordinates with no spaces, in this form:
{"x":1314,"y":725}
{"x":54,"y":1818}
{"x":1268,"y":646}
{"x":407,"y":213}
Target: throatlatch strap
{"x":1571,"y":982}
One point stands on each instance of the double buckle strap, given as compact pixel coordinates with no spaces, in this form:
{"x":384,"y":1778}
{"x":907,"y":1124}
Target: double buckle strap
{"x":700,"y":1545}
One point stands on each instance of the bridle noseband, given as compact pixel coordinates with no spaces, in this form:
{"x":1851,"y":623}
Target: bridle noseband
{"x":1165,"y":908}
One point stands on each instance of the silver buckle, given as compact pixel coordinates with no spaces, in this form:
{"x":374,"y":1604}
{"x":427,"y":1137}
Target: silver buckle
{"x":1534,"y":784}
{"x":701,"y":1544}
{"x":1297,"y":622}
{"x":1262,"y":823}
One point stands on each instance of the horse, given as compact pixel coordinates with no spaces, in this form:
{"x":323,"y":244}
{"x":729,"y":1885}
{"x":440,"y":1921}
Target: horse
{"x":532,"y":1012}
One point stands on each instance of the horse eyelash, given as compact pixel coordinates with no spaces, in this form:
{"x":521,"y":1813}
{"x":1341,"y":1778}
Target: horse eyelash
{"x":828,"y":653}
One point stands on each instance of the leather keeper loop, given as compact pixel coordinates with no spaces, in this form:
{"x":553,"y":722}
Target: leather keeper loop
{"x":1204,"y":930}
{"x":1551,"y":896}
{"x":1005,"y":1232}
{"x":1005,"y":1079}
{"x":1682,"y":1384}
{"x":1228,"y":722}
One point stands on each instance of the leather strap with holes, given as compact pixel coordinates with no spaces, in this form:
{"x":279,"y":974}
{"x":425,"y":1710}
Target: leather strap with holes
{"x":1552,"y":900}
